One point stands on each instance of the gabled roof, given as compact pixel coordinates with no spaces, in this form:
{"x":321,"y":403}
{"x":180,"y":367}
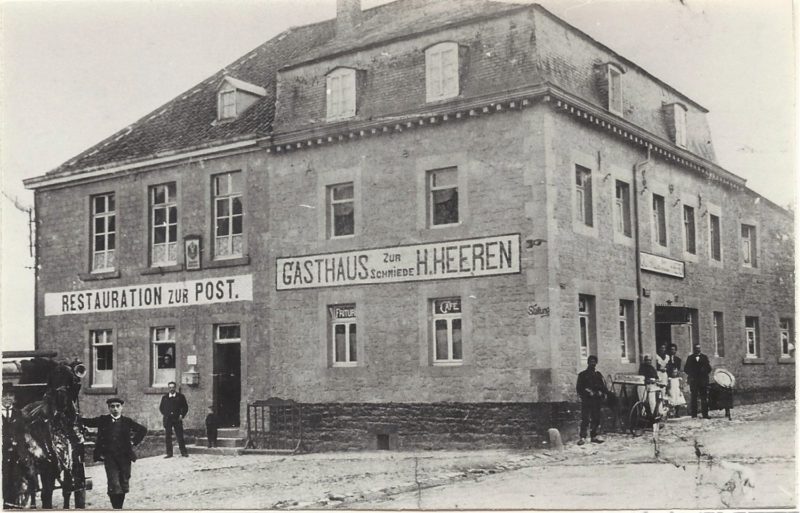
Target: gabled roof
{"x":187,"y":123}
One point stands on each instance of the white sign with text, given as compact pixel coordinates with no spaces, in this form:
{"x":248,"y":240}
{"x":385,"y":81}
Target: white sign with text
{"x":205,"y":291}
{"x":485,"y":256}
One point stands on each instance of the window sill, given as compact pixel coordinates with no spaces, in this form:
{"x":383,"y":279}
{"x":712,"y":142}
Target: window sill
{"x":108,"y":275}
{"x":753,"y":361}
{"x":100,"y":390}
{"x":162,"y":269}
{"x":156,"y":390}
{"x":786,"y":359}
{"x":750,"y":270}
{"x":229,"y":262}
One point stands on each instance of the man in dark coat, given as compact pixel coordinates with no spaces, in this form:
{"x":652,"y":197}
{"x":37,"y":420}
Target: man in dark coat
{"x":592,"y":390}
{"x":116,"y":437}
{"x":647,"y":370}
{"x":697,"y":369}
{"x":174,"y":408}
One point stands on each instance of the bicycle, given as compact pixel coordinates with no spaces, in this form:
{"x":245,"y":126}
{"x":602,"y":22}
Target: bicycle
{"x":643,"y":415}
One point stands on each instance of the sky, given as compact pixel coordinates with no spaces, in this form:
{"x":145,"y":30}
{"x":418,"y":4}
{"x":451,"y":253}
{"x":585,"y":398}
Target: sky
{"x":74,"y":72}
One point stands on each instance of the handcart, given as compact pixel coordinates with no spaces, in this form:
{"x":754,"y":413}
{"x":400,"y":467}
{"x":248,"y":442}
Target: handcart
{"x":720,"y":391}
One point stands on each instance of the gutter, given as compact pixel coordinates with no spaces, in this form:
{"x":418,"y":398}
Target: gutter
{"x":638,"y":167}
{"x":45,"y":181}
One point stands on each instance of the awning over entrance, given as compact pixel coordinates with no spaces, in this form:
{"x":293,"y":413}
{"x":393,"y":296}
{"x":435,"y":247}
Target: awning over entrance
{"x":667,"y":314}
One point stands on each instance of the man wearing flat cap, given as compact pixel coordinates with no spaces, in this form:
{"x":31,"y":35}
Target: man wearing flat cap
{"x":117,"y":435}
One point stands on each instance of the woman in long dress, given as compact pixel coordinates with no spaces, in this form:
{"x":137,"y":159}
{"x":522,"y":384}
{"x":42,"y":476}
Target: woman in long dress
{"x":674,"y":386}
{"x":661,"y":364}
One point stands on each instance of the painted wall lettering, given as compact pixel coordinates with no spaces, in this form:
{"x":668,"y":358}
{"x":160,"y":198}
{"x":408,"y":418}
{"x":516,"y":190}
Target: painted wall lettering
{"x":465,"y":258}
{"x":158,"y":295}
{"x":535,"y":310}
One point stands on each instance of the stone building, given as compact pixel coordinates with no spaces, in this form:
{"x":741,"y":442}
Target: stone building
{"x":416,"y":220}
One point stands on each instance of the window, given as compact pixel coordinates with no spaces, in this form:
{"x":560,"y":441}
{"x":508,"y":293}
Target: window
{"x":679,"y":116}
{"x":163,"y":355}
{"x":692,"y":327}
{"x":227,"y":333}
{"x":102,"y":350}
{"x":228,"y":215}
{"x":689,"y":230}
{"x":714,"y":238}
{"x":615,"y":90}
{"x":341,"y":93}
{"x":586,"y":328}
{"x":719,"y":335}
{"x":342,"y":319}
{"x":751,"y":337}
{"x":749,"y":251}
{"x":626,"y":331}
{"x":622,"y":208}
{"x":447,"y":331}
{"x":164,"y":221}
{"x":443,"y":197}
{"x":341,"y":210}
{"x":227,"y":104}
{"x":441,"y":71}
{"x":787,"y":338}
{"x":659,"y":221}
{"x":104,"y":230}
{"x":583,"y":195}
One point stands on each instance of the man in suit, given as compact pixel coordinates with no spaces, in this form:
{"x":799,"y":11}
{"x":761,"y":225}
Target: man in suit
{"x":116,"y":437}
{"x":592,"y":390}
{"x":174,"y":408}
{"x":697,"y":369}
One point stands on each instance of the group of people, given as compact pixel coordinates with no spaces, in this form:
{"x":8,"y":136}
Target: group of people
{"x":593,"y":392}
{"x":118,"y":435}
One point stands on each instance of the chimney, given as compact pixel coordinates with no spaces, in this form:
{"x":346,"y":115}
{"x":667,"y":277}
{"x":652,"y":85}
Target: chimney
{"x":348,"y":16}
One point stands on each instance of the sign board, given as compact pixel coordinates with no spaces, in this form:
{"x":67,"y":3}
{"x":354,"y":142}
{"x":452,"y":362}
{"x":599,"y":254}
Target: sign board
{"x":191,"y":246}
{"x":338,"y":312}
{"x":206,"y":291}
{"x":662,"y":265}
{"x":466,"y":258}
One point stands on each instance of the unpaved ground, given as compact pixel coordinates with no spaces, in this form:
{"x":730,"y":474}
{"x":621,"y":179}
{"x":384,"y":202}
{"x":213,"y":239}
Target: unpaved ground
{"x":748,"y":462}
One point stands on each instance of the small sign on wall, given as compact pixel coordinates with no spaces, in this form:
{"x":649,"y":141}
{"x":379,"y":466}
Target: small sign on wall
{"x":191,"y":245}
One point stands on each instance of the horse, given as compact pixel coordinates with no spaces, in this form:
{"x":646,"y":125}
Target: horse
{"x":43,"y":439}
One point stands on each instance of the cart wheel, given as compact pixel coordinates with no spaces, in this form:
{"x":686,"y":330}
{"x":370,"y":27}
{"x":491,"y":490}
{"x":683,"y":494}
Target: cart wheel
{"x":636,"y":420}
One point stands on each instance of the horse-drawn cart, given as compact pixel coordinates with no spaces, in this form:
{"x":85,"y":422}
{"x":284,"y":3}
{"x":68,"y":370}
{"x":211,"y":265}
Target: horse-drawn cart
{"x":43,"y":442}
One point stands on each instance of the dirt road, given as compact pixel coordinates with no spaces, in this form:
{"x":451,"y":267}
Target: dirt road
{"x":748,"y":462}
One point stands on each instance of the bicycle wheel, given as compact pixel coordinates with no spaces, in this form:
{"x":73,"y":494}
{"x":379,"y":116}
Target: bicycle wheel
{"x":637,"y":420}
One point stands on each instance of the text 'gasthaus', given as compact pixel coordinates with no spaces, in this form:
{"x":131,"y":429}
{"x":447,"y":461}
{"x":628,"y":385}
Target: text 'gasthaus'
{"x":464,"y":258}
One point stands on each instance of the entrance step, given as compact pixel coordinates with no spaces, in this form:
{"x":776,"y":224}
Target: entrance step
{"x":202,"y":441}
{"x":219,"y":451}
{"x":229,"y":432}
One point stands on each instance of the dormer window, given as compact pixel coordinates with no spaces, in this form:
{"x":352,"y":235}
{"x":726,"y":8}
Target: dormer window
{"x":679,"y":113}
{"x":341,"y":93}
{"x":608,"y":77}
{"x":227,"y":104}
{"x":234,"y":96}
{"x":675,"y":117}
{"x":441,"y":71}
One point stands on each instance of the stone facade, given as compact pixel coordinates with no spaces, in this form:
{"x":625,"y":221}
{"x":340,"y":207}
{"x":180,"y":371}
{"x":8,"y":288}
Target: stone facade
{"x":527,"y":114}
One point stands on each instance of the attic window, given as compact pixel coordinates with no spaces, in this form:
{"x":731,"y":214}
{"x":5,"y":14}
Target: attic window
{"x":441,"y":71}
{"x":675,"y":119}
{"x":341,"y":93}
{"x":234,"y":96}
{"x":608,"y":78}
{"x":679,"y":113}
{"x":227,"y":104}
